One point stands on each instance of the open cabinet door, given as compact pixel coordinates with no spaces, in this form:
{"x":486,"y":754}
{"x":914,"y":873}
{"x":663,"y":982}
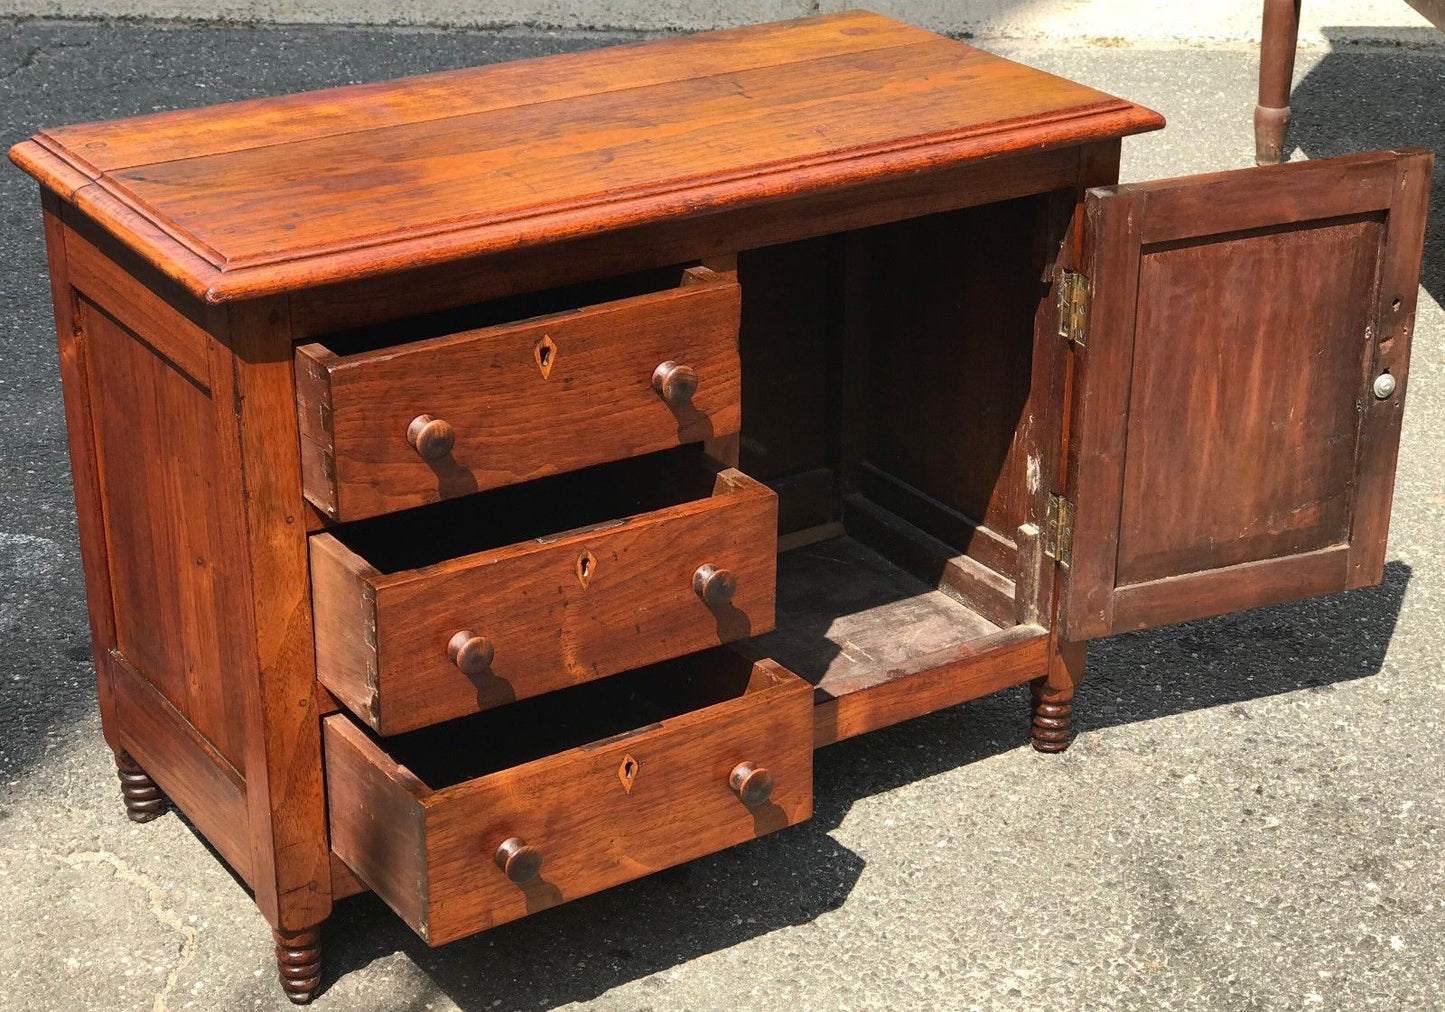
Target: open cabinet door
{"x":1239,"y":387}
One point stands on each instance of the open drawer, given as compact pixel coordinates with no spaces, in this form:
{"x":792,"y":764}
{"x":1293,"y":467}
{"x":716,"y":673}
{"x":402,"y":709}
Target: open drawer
{"x":394,"y":417}
{"x":482,"y":820}
{"x":440,"y":612}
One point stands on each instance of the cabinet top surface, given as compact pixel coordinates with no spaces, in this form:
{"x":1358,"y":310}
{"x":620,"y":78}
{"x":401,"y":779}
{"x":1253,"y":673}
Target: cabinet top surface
{"x":271,"y":195}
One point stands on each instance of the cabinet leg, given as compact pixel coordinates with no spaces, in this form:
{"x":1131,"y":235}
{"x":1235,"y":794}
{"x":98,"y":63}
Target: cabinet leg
{"x":1053,"y":697}
{"x":1276,"y":71}
{"x":1050,"y":729}
{"x":298,"y":957}
{"x":143,"y":799}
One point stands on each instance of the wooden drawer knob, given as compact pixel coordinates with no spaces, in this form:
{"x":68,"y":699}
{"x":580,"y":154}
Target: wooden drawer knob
{"x":752,"y":784}
{"x":470,"y":652}
{"x":715,"y":586}
{"x":519,"y":862}
{"x":431,"y":437}
{"x":675,"y":383}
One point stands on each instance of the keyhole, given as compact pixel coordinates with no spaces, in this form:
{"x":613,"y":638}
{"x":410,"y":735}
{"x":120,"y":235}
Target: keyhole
{"x":627,"y":772}
{"x":586,"y":566}
{"x":546,"y":354}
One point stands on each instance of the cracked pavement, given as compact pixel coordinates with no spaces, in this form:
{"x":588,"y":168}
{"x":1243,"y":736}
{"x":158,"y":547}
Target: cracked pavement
{"x":1251,"y":817}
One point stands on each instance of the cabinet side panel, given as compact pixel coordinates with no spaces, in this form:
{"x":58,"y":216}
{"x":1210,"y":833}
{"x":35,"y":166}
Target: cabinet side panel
{"x":194,"y":777}
{"x":157,"y":458}
{"x":952,"y":411}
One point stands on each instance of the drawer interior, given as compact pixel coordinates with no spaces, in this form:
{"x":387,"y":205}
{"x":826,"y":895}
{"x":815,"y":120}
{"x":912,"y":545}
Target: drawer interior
{"x":505,"y":310}
{"x":451,"y":753}
{"x":544,"y":508}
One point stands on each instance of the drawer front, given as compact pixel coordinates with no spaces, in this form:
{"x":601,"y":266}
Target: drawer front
{"x":549,"y":613}
{"x":596,"y":816}
{"x":411,"y":424}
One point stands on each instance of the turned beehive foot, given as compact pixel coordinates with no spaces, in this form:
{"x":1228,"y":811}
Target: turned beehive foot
{"x":298,"y":958}
{"x":143,"y":799}
{"x":1050,"y":731}
{"x":1053,"y":696}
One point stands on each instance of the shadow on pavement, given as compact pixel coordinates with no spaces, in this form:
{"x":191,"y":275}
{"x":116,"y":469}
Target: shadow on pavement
{"x":1364,"y":98}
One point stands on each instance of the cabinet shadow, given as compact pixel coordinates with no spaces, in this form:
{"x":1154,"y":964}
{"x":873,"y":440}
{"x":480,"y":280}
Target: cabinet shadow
{"x":1232,"y":659}
{"x":580,"y":950}
{"x":1366,"y":98}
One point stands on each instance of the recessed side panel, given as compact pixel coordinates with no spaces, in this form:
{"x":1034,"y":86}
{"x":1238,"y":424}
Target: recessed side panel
{"x":790,"y":311}
{"x":156,"y":445}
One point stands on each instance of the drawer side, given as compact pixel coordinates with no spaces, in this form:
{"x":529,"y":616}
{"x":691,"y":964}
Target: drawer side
{"x":313,"y":416}
{"x":344,"y":616}
{"x":376,"y":819}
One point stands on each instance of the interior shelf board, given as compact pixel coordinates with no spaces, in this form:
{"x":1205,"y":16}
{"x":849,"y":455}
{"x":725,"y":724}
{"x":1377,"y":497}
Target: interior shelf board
{"x":848,"y":616}
{"x":880,"y":645}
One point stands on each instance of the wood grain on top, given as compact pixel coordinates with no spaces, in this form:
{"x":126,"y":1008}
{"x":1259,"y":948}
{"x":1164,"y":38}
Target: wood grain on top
{"x":269,"y":195}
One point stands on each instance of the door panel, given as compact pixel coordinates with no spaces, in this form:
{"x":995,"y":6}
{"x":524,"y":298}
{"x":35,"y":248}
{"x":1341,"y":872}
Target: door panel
{"x":1228,"y":450}
{"x":1194,"y":496}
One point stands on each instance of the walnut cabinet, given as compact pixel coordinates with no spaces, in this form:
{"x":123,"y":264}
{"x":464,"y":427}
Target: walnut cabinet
{"x":494,"y":485}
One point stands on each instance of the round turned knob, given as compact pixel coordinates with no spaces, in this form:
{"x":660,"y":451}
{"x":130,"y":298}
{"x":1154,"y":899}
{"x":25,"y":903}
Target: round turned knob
{"x":675,"y":383}
{"x":752,"y":784}
{"x":431,"y":437}
{"x":715,"y":586}
{"x":519,"y":862}
{"x":470,"y":652}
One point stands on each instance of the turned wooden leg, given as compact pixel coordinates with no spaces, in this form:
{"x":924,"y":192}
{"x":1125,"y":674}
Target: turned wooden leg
{"x":143,"y":799}
{"x":298,"y":957}
{"x":1276,"y":70}
{"x":1053,"y":697}
{"x":1050,"y":729}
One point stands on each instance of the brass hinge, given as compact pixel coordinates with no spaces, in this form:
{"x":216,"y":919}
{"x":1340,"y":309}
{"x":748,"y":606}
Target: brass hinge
{"x":1073,"y":307}
{"x":1059,"y":531}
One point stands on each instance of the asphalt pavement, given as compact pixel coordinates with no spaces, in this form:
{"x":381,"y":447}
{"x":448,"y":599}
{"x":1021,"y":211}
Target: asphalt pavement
{"x":1251,"y":817}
